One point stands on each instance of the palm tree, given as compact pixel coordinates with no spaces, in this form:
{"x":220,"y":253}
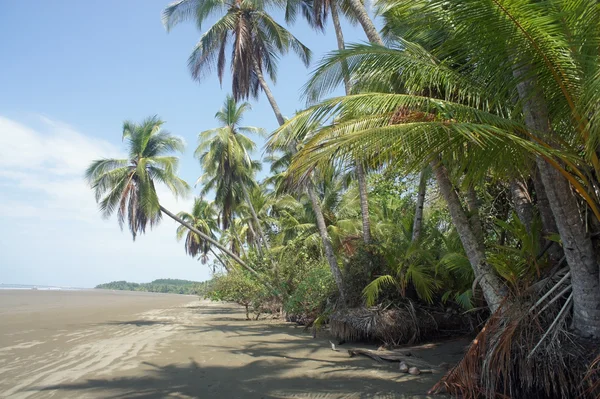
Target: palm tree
{"x":204,"y":218}
{"x":127,"y":186}
{"x":224,"y":154}
{"x":256,"y":40}
{"x":317,"y":18}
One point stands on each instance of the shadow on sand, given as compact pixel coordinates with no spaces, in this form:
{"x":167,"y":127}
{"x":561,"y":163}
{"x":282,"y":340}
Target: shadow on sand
{"x":258,"y":379}
{"x":255,"y":360}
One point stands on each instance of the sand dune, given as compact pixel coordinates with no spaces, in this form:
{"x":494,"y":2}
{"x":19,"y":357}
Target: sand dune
{"x":102,"y":344}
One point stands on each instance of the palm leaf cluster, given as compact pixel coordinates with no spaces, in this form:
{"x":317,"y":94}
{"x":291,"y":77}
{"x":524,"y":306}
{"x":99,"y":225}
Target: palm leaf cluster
{"x":126,"y":186}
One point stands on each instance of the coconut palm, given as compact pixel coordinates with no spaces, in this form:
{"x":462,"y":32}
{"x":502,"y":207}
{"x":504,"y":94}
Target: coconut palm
{"x":224,"y":154}
{"x":256,"y":40}
{"x":127,"y":186}
{"x":204,"y":218}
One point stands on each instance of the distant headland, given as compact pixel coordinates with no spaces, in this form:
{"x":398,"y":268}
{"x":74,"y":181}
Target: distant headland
{"x":164,"y":285}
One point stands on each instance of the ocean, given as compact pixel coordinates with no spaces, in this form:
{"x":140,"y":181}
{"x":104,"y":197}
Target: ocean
{"x":37,"y":287}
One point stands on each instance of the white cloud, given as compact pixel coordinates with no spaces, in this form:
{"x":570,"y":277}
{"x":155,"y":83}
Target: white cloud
{"x":48,"y":216}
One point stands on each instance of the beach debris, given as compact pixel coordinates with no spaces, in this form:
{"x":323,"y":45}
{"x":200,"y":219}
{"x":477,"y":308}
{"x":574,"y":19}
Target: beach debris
{"x":380,"y":355}
{"x":403,"y":367}
{"x":414,"y":371}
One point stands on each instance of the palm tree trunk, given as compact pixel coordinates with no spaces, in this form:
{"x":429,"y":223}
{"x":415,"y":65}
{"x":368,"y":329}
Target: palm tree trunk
{"x":218,"y":245}
{"x":418,"y":220}
{"x":220,"y":260}
{"x":256,"y":238}
{"x":365,"y":21}
{"x":577,"y":244}
{"x":522,"y":202}
{"x":474,"y":219}
{"x":491,"y":285}
{"x":268,"y":93}
{"x":555,"y":251}
{"x":339,"y":35}
{"x":238,"y":239}
{"x":360,"y":171}
{"x":261,"y":233}
{"x":328,"y":248}
{"x":364,"y":202}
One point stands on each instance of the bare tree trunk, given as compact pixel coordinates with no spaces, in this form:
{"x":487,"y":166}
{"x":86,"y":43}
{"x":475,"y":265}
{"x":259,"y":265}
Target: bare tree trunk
{"x":218,"y":245}
{"x":418,"y":220}
{"x":261,"y":233}
{"x":578,"y":247}
{"x":328,"y":248}
{"x":493,"y":288}
{"x":522,"y":202}
{"x":268,"y":93}
{"x":360,"y":171}
{"x":365,"y":21}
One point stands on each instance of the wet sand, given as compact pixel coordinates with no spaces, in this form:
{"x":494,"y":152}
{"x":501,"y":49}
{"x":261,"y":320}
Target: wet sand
{"x":105,"y":344}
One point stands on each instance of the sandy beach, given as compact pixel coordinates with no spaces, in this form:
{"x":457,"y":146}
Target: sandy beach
{"x":105,"y":344}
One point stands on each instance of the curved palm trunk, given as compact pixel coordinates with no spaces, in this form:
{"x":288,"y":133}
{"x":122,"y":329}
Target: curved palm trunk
{"x":261,"y":233}
{"x":493,"y":289}
{"x":360,"y":171}
{"x":328,"y":248}
{"x":218,"y":245}
{"x":268,"y":93}
{"x":365,"y":21}
{"x":577,"y":244}
{"x":418,"y":220}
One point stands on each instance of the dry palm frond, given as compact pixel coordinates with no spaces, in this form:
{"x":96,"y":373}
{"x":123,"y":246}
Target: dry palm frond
{"x":520,"y":354}
{"x":407,"y":324}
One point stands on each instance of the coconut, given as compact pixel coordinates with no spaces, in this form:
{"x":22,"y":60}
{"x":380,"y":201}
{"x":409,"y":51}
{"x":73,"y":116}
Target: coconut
{"x":414,"y":371}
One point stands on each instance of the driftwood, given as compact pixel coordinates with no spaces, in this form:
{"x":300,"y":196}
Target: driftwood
{"x":394,"y":356}
{"x":390,"y":356}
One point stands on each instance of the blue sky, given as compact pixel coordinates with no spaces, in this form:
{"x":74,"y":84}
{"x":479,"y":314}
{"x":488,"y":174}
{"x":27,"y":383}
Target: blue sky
{"x":71,"y":72}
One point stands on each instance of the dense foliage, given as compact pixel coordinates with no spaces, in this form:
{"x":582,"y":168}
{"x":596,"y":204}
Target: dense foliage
{"x":456,"y":181}
{"x":172,"y":286}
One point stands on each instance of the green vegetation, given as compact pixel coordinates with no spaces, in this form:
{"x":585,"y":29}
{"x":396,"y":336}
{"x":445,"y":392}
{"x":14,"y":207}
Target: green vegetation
{"x":455,"y":185}
{"x":164,"y":285}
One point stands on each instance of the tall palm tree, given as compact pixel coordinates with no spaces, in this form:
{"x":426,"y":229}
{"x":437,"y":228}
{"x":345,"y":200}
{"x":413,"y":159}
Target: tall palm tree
{"x":224,"y":154}
{"x":204,"y":218}
{"x":127,"y":186}
{"x":256,"y":42}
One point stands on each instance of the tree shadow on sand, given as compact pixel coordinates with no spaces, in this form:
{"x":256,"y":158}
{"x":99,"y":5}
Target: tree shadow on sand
{"x":138,"y":323}
{"x":258,"y":379}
